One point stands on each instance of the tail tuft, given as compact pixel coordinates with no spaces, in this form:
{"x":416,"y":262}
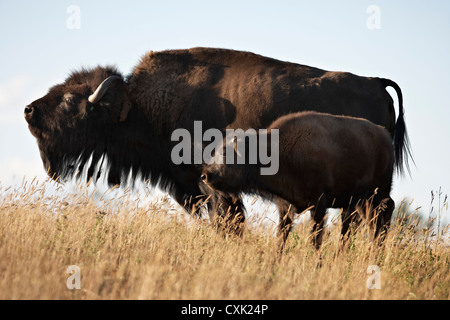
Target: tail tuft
{"x":402,"y":148}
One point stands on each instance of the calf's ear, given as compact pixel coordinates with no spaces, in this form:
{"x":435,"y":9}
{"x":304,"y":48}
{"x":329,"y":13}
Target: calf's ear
{"x":235,"y":145}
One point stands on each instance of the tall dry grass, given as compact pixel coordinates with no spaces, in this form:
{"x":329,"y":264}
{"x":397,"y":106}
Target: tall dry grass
{"x":129,"y":251}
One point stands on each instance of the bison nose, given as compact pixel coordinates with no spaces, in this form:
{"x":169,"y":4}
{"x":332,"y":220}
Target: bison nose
{"x":204,"y":177}
{"x":28,"y":109}
{"x":28,"y":112}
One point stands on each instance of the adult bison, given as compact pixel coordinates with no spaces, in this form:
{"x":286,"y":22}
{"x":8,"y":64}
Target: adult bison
{"x":325,"y":161}
{"x":98,"y":114}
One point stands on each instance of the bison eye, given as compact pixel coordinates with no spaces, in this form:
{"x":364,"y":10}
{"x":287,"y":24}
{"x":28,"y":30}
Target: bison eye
{"x":68,"y":100}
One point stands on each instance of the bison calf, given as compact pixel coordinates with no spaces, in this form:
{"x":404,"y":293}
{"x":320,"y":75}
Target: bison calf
{"x":325,"y":161}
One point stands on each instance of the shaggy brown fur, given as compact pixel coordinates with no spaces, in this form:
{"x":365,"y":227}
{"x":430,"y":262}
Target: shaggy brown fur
{"x":169,"y":90}
{"x":325,"y":161}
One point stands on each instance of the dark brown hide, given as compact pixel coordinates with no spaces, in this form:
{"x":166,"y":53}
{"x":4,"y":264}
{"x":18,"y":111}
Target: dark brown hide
{"x":170,"y":90}
{"x":325,"y":161}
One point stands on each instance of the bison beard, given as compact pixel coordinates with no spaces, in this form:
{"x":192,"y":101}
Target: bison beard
{"x":130,"y":125}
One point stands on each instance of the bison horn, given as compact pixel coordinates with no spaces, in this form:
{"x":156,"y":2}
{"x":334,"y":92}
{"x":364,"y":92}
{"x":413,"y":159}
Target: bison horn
{"x":102,"y":88}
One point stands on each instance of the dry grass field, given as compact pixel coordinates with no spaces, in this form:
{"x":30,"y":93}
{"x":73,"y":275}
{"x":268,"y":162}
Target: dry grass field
{"x":128,"y":251}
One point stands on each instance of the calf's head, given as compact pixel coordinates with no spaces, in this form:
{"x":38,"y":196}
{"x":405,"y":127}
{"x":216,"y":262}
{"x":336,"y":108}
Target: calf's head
{"x":222,"y":177}
{"x":230,"y":168}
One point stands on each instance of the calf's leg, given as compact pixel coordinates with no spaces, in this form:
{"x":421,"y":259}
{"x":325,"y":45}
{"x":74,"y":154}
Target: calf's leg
{"x":318,"y":215}
{"x":349,"y":219}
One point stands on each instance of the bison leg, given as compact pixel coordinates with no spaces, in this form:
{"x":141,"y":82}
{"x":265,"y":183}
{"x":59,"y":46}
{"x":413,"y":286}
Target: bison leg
{"x":318,"y":215}
{"x":190,"y":202}
{"x":286,"y":212}
{"x":227,"y":213}
{"x":349,"y":219}
{"x":383,"y":218}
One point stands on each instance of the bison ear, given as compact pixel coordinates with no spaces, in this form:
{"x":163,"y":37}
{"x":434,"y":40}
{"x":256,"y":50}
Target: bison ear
{"x":116,"y":100}
{"x":123,"y":100}
{"x":102,"y":89}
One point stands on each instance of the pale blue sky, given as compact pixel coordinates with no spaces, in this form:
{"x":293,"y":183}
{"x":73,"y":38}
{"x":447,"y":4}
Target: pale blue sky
{"x":412,"y":48}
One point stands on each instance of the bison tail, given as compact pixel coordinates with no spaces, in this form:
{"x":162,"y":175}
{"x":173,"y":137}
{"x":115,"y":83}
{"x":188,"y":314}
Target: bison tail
{"x":402,"y":149}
